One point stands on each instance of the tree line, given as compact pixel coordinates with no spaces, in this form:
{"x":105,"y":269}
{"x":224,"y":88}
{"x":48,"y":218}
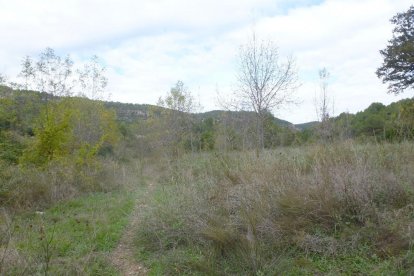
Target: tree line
{"x":67,"y":116}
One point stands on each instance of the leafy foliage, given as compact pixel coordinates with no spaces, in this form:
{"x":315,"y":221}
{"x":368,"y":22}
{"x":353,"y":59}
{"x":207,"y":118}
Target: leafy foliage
{"x":72,"y":127}
{"x":398,"y":66}
{"x":52,"y":136}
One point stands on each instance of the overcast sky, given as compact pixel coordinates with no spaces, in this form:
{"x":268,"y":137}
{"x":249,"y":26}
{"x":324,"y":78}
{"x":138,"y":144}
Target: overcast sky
{"x":148,"y":45}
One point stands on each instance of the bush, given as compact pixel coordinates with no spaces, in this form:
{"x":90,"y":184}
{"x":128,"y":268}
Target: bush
{"x":31,"y":187}
{"x":11,"y":147}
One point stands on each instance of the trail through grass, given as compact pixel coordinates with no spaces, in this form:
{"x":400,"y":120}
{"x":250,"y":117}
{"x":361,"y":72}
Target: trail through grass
{"x":124,"y":255}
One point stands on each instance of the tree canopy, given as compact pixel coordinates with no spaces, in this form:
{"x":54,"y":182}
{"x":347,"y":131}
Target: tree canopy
{"x":398,"y":67}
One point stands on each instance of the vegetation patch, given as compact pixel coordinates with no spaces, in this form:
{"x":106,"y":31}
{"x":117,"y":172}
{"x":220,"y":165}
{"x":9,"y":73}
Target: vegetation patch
{"x":70,"y":238}
{"x":342,"y":209}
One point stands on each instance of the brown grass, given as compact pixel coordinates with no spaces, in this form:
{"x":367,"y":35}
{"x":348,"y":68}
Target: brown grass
{"x":37,"y":188}
{"x":324,"y":200}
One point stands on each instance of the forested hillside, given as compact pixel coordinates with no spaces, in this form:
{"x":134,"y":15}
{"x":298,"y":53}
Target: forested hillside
{"x":205,"y":131}
{"x":25,"y":115}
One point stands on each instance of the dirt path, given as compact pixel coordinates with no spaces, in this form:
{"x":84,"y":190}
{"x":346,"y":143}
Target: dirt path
{"x":123,"y":256}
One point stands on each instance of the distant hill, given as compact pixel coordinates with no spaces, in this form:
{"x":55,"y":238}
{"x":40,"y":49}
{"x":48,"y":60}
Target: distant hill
{"x":129,"y":112}
{"x":307,"y":125}
{"x":283,"y":123}
{"x":217,"y":114}
{"x":371,"y":120}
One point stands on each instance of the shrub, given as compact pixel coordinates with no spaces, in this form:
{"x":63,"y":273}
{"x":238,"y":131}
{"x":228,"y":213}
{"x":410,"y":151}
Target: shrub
{"x":31,"y":187}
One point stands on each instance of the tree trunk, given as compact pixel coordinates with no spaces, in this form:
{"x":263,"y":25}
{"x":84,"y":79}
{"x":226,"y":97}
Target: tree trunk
{"x":260,"y":135}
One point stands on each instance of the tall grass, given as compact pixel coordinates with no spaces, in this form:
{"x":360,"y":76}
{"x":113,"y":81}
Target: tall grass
{"x":342,"y":208}
{"x":29,"y":187}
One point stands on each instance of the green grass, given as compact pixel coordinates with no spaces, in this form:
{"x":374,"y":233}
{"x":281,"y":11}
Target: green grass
{"x":76,"y":235}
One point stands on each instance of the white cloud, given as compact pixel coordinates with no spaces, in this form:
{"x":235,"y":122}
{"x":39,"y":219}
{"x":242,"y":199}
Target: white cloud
{"x":345,"y":37}
{"x":149,"y":45}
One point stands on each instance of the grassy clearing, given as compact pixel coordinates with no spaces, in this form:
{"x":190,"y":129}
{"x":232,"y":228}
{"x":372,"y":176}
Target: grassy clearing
{"x":338,"y":209}
{"x":70,"y":238}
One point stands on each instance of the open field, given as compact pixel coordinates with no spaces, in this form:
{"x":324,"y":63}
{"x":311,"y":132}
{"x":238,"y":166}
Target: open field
{"x":179,"y":165}
{"x":344,"y":208}
{"x":337,"y":209}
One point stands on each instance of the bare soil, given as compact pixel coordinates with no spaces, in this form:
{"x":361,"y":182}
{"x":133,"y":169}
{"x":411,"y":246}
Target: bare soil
{"x":123,"y":257}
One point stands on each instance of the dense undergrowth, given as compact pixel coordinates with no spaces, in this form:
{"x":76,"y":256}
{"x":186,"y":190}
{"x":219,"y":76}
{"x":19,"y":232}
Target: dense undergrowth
{"x":24,"y":188}
{"x":66,"y":184}
{"x":337,"y":209}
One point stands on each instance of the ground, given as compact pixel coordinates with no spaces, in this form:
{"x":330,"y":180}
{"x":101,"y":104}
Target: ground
{"x":123,"y":257}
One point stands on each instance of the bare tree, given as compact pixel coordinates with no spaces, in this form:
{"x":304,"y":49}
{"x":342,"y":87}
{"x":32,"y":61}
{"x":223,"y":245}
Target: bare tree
{"x":93,"y":80}
{"x":265,"y":83}
{"x":52,"y":74}
{"x":3,"y":79}
{"x":28,"y":71}
{"x":321,"y":102}
{"x":323,"y":105}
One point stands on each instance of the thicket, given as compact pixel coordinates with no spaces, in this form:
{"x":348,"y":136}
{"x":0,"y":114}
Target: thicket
{"x":163,"y":130}
{"x":54,"y":148}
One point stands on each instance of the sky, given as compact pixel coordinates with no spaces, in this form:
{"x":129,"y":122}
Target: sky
{"x":148,"y":45}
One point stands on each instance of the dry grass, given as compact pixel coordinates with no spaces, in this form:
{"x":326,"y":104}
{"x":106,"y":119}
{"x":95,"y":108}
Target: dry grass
{"x":37,"y":188}
{"x":248,"y":215}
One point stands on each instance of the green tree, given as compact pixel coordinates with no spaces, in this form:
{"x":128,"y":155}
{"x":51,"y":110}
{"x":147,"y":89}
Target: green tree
{"x":206,"y":133}
{"x":342,"y":126}
{"x":405,"y":121}
{"x":7,"y":113}
{"x":94,"y":128}
{"x":398,"y":66}
{"x":176,"y":120}
{"x":10,"y":146}
{"x":52,"y":135}
{"x":72,"y":127}
{"x":370,"y":122}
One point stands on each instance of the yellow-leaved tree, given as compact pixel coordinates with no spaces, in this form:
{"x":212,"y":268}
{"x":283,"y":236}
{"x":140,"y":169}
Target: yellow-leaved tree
{"x":72,"y":128}
{"x":77,"y":128}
